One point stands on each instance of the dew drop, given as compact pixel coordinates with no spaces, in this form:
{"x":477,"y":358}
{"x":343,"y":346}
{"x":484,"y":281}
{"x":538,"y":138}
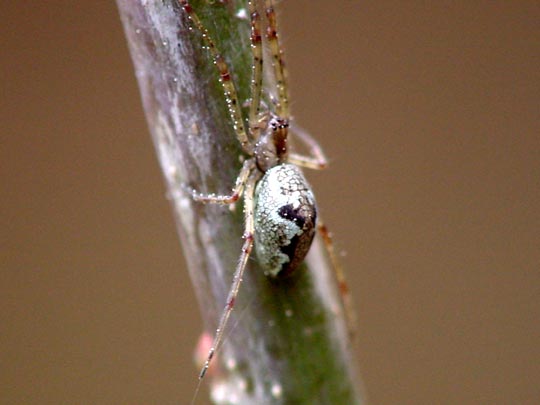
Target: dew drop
{"x":231,"y":364}
{"x":276,"y":390}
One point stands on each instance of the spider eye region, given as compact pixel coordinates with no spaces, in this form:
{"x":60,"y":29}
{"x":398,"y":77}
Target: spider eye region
{"x":285,"y":218}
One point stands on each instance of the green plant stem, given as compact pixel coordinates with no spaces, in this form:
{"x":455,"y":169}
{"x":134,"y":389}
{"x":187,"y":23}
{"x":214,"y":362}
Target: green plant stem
{"x":287,"y":341}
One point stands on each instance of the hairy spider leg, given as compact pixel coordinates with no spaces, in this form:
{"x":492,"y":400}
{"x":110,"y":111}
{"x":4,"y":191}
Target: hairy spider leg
{"x":247,"y":168}
{"x":256,"y":69}
{"x":238,"y":273}
{"x":225,"y":78}
{"x":278,"y":63}
{"x":237,"y":278}
{"x":317,"y":160}
{"x":346,"y":299}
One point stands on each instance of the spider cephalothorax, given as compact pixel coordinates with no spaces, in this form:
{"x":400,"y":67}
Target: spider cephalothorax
{"x":271,"y":148}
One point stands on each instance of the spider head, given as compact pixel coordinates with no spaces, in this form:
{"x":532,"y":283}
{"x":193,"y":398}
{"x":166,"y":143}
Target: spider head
{"x":279,"y":128}
{"x":271,"y":149}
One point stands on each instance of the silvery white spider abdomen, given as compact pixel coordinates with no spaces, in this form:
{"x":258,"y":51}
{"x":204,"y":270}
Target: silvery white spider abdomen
{"x":285,"y":219}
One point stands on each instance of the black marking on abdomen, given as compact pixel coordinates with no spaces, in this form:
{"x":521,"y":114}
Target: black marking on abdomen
{"x":292,"y":214}
{"x":299,"y":245}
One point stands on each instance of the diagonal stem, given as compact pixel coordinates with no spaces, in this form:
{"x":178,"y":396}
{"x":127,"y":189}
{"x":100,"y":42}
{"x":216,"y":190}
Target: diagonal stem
{"x":289,"y":344}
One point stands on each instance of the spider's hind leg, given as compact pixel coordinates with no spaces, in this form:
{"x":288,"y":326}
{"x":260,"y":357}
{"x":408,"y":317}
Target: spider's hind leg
{"x":346,"y":299}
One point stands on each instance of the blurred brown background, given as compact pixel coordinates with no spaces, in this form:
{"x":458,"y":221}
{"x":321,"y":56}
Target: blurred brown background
{"x":430,"y":115}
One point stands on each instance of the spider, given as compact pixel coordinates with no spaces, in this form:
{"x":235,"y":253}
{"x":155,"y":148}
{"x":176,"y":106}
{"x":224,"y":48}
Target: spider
{"x":279,"y":206}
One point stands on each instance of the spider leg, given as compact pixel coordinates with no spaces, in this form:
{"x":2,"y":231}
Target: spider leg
{"x":238,"y":273}
{"x":280,"y":72}
{"x":257,"y":66}
{"x":225,"y":79}
{"x":317,"y":160}
{"x":346,"y":299}
{"x":239,"y":185}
